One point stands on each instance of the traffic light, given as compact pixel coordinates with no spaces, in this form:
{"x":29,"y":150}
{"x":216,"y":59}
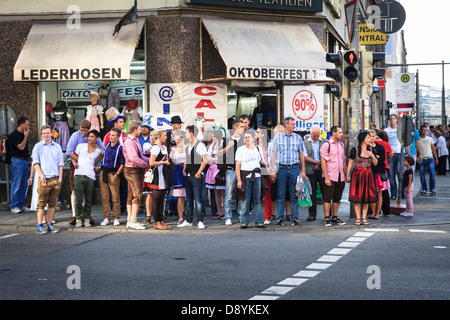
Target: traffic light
{"x":336,"y":74}
{"x":368,"y":72}
{"x":367,"y":90}
{"x":350,"y":59}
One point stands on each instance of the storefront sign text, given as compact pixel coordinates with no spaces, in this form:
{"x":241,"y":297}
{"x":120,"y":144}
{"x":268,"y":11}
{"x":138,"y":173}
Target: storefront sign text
{"x":289,"y":5}
{"x":68,"y":74}
{"x":271,"y":73}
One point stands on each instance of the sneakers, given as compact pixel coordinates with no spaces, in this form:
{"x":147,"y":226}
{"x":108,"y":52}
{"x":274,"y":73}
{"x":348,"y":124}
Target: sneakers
{"x":51,"y":229}
{"x":185,"y":224}
{"x":116,"y":222}
{"x":78,"y":223}
{"x":295,"y":223}
{"x":40,"y":229}
{"x":24,"y":209}
{"x":407,"y":214}
{"x":87,"y":223}
{"x":136,"y":226}
{"x":279,"y":224}
{"x":228,"y":222}
{"x":105,"y":222}
{"x":267,"y":222}
{"x":327,"y":222}
{"x":16,"y":210}
{"x":200,"y":225}
{"x":423,"y":191}
{"x":337,"y":221}
{"x":433,"y":191}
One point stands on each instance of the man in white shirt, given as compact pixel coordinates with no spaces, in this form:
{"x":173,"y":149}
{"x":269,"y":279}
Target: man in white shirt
{"x":427,"y":160}
{"x":394,"y":162}
{"x":85,"y":160}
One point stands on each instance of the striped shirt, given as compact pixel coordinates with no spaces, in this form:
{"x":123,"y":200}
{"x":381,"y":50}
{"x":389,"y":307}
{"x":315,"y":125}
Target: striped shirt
{"x":287,"y":148}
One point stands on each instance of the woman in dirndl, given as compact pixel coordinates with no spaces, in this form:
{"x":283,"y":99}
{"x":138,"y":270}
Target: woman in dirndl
{"x":178,"y":156}
{"x":362,"y":183}
{"x":214,"y":143}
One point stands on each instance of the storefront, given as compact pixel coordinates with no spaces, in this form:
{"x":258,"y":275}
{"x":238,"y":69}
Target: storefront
{"x":67,"y":64}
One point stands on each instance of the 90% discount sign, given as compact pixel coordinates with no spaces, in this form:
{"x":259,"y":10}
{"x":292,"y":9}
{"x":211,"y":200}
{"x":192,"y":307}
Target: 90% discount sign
{"x":304,"y":105}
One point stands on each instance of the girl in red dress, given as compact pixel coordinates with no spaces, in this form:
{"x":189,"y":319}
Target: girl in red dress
{"x":362,"y":184}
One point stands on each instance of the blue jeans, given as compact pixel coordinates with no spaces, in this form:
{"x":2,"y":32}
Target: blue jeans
{"x":394,"y":165}
{"x":427,"y":163}
{"x":19,"y":181}
{"x":252,"y":193}
{"x":194,"y":188}
{"x":287,"y":176}
{"x":231,"y":182}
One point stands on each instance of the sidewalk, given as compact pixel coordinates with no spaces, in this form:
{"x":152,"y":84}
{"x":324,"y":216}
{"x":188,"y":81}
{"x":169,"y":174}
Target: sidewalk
{"x":428,"y":210}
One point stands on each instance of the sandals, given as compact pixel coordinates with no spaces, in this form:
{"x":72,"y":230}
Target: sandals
{"x":219,"y":217}
{"x":358,"y":222}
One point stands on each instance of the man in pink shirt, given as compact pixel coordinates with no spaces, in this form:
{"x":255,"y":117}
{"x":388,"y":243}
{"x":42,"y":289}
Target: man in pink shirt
{"x":135,"y":164}
{"x":332,"y":160}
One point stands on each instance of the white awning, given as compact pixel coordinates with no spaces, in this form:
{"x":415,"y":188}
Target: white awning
{"x":55,"y":52}
{"x":261,"y":50}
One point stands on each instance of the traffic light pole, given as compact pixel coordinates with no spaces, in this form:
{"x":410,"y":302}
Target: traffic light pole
{"x":354,"y":114}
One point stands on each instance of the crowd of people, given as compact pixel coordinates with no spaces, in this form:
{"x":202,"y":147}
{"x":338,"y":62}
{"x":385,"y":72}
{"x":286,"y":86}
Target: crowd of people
{"x":244,"y":169}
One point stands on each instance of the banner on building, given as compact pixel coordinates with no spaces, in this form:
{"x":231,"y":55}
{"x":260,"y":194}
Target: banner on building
{"x":305,"y":105}
{"x":196,"y":104}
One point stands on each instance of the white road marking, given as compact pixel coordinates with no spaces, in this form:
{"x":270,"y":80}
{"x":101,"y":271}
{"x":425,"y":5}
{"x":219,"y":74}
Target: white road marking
{"x":427,"y":231}
{"x":9,"y":235}
{"x":313,"y":269}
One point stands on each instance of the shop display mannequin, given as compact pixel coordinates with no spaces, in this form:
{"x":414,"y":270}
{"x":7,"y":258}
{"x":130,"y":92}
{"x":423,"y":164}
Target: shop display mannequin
{"x":60,"y":115}
{"x":95,"y":111}
{"x":131,"y":112}
{"x":109,"y":97}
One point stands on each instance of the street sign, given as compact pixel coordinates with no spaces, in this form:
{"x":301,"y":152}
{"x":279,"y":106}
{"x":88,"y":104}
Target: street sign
{"x":368,"y":35}
{"x":405,"y":88}
{"x":405,"y":130}
{"x":350,"y":8}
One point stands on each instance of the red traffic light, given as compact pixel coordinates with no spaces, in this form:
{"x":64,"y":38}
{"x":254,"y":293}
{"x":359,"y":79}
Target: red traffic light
{"x":350,"y":57}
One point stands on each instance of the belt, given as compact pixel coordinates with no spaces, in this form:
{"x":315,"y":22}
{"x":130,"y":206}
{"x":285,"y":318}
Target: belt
{"x":425,"y":158}
{"x":289,"y":165}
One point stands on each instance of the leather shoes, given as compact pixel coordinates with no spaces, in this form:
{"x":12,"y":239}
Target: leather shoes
{"x":311,"y":218}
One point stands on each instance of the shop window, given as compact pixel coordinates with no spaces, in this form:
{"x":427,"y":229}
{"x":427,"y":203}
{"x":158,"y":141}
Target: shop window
{"x":259,"y":106}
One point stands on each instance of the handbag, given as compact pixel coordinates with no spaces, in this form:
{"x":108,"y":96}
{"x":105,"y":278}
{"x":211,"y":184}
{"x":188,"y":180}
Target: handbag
{"x":211,"y":174}
{"x":384,"y":176}
{"x":148,"y":176}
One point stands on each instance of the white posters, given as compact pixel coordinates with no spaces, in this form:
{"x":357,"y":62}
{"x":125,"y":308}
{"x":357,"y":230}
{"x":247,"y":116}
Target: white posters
{"x":305,"y":105}
{"x":189,"y":101}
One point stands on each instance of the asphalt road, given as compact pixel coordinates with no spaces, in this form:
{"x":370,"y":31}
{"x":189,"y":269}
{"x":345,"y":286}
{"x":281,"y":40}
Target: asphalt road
{"x":409,"y":263}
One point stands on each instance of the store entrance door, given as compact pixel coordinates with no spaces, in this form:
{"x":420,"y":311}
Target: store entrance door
{"x":260,"y":106}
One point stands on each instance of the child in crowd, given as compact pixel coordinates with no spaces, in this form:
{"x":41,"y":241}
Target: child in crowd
{"x":408,"y":186}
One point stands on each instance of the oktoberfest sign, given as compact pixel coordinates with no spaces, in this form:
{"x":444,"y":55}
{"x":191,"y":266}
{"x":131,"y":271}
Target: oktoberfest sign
{"x":191,"y":101}
{"x":305,"y":105}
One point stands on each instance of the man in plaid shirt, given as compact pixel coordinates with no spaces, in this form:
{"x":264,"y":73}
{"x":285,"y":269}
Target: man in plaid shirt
{"x":112,"y":167}
{"x":287,"y":154}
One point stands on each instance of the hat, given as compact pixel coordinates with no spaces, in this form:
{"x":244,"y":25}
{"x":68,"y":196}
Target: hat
{"x":112,"y":114}
{"x":146,"y":120}
{"x":94,"y":93}
{"x":131,"y":104}
{"x":176,"y":119}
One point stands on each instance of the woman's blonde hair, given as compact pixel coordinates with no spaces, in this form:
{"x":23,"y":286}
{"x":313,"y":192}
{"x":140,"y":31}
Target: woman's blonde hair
{"x":158,"y":133}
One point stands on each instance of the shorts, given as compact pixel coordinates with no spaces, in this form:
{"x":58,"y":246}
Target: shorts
{"x":49,"y":193}
{"x":333,"y":192}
